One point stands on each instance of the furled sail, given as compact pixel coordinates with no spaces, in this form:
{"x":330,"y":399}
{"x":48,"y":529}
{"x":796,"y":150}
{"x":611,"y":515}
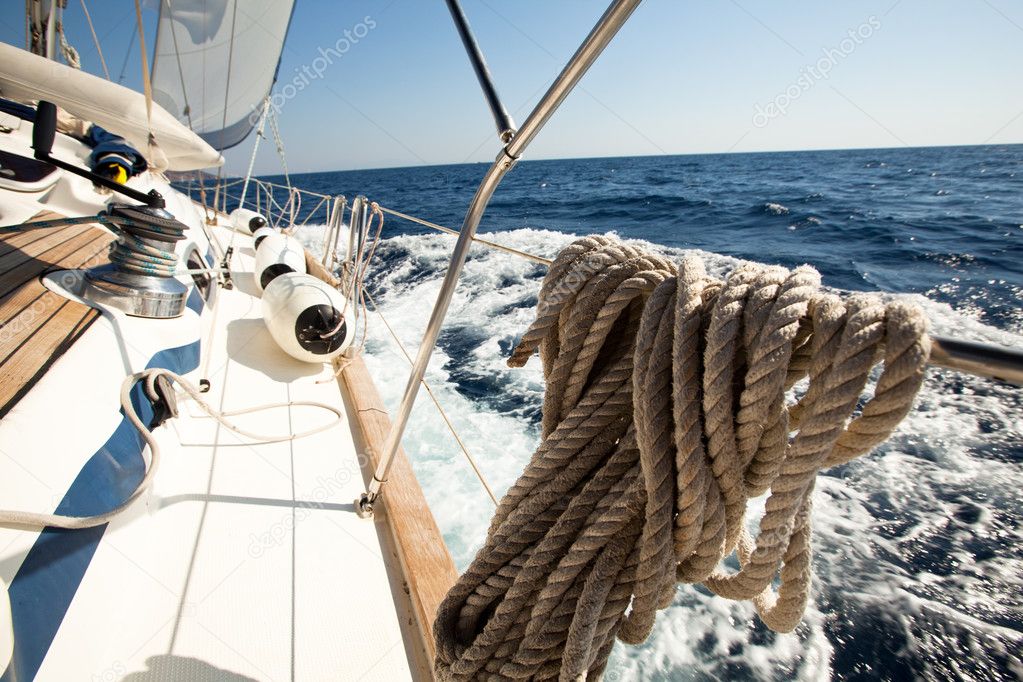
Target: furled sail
{"x":216,"y":61}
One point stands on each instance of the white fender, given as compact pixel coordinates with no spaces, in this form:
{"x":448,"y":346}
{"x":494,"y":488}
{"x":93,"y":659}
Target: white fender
{"x":276,"y":255}
{"x":299,"y":310}
{"x":247,"y":221}
{"x":259,"y":235}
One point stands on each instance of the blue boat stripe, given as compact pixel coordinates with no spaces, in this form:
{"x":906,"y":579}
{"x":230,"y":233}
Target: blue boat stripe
{"x":47,"y":581}
{"x":195,"y":301}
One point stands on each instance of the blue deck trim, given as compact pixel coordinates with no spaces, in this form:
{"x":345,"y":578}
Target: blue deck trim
{"x":47,"y":581}
{"x":195,"y":301}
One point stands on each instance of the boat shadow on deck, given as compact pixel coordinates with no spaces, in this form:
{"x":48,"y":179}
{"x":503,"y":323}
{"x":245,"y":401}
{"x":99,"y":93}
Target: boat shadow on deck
{"x":170,"y":668}
{"x":249,"y":343}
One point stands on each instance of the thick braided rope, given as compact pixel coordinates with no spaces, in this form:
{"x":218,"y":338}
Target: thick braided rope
{"x":668,"y":407}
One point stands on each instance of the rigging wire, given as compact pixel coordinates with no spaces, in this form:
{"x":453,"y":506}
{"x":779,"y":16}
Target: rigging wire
{"x":443,"y":414}
{"x":223,"y":122}
{"x":127,"y":54}
{"x":95,"y":39}
{"x":255,"y":148}
{"x":177,"y":57}
{"x":280,"y":145}
{"x":485,"y":242}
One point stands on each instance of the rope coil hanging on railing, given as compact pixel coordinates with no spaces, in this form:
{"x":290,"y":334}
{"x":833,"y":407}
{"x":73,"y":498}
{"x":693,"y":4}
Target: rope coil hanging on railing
{"x":667,"y":409}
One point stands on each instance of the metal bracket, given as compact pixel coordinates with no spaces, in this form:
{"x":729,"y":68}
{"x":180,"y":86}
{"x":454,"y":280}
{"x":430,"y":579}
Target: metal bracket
{"x":364,"y":506}
{"x":225,"y":269}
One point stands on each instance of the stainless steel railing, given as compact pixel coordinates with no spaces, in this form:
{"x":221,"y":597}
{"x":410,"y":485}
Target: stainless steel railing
{"x":335,"y":221}
{"x":607,"y":26}
{"x":990,"y":361}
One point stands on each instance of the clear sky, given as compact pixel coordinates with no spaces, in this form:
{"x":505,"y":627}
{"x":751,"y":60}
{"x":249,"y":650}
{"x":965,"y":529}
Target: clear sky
{"x":682,"y":77}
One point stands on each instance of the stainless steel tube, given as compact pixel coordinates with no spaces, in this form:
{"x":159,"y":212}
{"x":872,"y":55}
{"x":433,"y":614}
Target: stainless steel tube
{"x":333,"y":232}
{"x":605,"y":29}
{"x":356,"y":250}
{"x":607,"y":26}
{"x":982,"y":359}
{"x":502,"y":119}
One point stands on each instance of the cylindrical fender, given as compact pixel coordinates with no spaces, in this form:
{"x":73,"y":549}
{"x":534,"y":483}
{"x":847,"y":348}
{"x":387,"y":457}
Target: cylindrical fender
{"x":306,"y":317}
{"x":247,"y":221}
{"x":259,"y":235}
{"x":276,"y":255}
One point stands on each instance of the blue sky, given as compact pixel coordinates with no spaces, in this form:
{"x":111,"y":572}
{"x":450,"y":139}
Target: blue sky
{"x":681,"y":77}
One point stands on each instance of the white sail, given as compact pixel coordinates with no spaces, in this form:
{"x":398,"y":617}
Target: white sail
{"x":27,"y":77}
{"x":216,"y":61}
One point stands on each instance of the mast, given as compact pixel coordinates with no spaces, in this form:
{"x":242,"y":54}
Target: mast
{"x":41,"y":27}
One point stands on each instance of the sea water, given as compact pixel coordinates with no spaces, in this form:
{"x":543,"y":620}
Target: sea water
{"x":918,"y":546}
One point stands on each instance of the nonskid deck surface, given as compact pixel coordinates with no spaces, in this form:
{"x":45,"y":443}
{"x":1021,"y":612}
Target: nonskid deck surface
{"x":245,"y":561}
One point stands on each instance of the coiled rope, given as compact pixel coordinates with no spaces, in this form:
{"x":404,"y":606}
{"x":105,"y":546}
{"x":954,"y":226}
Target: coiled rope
{"x":667,"y":409}
{"x":139,"y":237}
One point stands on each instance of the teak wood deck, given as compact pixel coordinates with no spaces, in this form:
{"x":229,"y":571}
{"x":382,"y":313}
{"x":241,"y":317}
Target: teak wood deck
{"x":36,"y":325}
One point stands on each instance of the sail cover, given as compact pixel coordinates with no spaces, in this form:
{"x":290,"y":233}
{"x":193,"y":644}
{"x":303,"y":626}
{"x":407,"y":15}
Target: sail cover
{"x":216,"y":61}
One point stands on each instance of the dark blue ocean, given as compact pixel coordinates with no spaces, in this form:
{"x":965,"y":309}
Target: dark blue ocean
{"x":918,"y":546}
{"x":905,"y":220}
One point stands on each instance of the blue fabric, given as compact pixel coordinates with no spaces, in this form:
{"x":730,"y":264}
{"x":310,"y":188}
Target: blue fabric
{"x":101,"y":140}
{"x":22,"y":111}
{"x":104,"y":142}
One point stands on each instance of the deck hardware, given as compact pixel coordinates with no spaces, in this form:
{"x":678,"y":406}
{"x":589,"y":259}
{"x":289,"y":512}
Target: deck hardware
{"x":140,"y":279}
{"x":225,"y":269}
{"x":43,"y":132}
{"x":1000,"y":363}
{"x":364,"y":506}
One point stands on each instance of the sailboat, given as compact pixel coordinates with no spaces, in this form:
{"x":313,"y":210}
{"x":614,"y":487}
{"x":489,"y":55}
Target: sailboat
{"x":200,"y":477}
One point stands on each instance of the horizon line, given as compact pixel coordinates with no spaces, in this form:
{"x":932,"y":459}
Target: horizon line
{"x":639,"y":156}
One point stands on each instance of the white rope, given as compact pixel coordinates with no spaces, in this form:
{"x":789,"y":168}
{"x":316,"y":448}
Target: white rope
{"x":35,"y":520}
{"x":71,"y":55}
